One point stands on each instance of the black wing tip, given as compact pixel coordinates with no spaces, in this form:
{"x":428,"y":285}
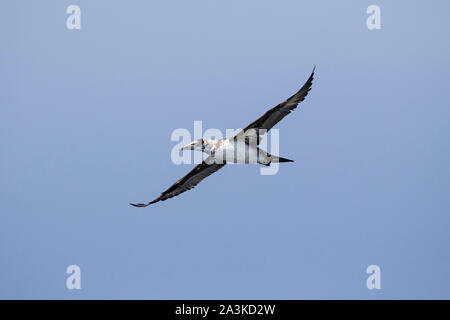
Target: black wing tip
{"x":311,"y":77}
{"x":142,"y":205}
{"x":139,"y":205}
{"x":309,"y":82}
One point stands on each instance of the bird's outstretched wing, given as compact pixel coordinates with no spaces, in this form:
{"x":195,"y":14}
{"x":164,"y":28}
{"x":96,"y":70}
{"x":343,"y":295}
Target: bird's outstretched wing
{"x":262,"y":125}
{"x":189,"y":181}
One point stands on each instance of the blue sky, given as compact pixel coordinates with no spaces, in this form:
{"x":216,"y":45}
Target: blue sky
{"x":85,"y":123}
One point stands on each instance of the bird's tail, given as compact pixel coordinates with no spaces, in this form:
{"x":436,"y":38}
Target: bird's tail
{"x":280,"y":159}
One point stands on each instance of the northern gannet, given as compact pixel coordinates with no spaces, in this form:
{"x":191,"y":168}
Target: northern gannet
{"x":241,"y":148}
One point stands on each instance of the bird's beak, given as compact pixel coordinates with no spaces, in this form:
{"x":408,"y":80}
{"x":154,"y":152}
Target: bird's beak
{"x":186,"y":147}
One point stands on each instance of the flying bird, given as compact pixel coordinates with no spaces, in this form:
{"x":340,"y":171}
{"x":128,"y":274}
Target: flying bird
{"x":241,"y":148}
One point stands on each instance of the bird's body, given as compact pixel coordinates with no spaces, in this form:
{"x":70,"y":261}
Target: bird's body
{"x":232,"y":150}
{"x":242,"y":148}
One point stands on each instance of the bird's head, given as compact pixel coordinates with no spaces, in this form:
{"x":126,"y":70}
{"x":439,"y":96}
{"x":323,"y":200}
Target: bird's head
{"x":197,"y":145}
